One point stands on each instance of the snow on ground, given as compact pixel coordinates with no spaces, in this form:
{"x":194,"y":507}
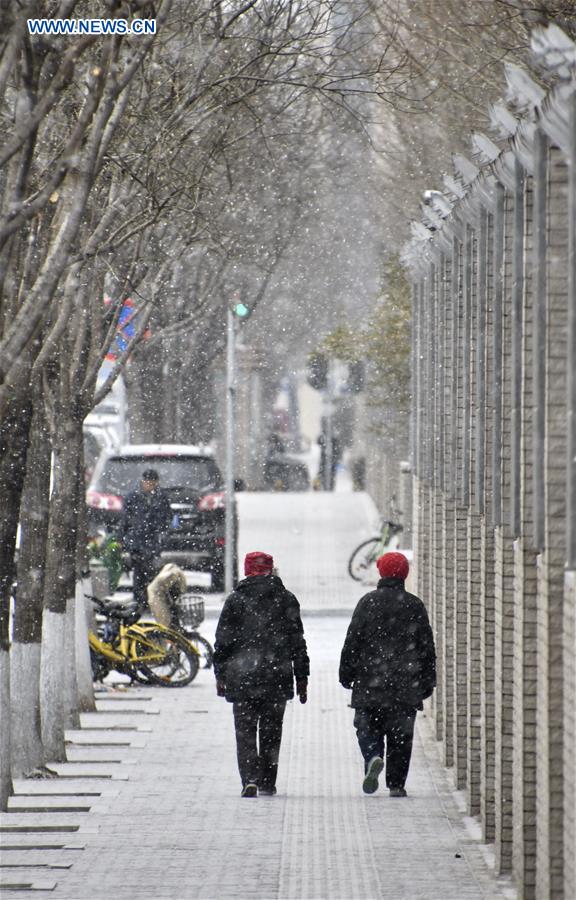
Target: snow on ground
{"x":177,"y":828}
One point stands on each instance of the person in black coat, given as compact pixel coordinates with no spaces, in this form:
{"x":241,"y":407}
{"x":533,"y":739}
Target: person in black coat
{"x":259,"y":651}
{"x":147,"y":516}
{"x":389,"y":661}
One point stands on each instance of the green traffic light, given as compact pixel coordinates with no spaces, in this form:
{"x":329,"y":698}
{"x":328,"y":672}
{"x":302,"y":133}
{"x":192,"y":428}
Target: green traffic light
{"x":241,"y":310}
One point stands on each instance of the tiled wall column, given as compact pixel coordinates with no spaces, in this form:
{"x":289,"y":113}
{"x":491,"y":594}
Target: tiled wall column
{"x":570,"y":734}
{"x":431,"y":362}
{"x":487,"y":532}
{"x":550,"y":728}
{"x":416,"y":426}
{"x":444,"y":638}
{"x":439,"y":478}
{"x":504,"y":581}
{"x":570,"y":578}
{"x":525,"y":650}
{"x":451,"y":463}
{"x":426,"y":444}
{"x":458,"y":552}
{"x":475,"y":355}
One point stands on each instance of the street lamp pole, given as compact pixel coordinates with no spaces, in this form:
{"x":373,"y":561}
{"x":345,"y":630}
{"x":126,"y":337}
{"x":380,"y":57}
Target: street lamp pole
{"x":328,"y":485}
{"x":229,"y":510}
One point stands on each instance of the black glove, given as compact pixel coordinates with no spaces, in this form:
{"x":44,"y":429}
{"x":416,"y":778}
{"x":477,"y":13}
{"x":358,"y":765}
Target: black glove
{"x":302,"y":689}
{"x":347,"y":685}
{"x":220,"y":688}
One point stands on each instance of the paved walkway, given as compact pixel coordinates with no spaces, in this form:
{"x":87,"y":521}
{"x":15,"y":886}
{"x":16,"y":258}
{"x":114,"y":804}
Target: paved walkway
{"x":148,"y":804}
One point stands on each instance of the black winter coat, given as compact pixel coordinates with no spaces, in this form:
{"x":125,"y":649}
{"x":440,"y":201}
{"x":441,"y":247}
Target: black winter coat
{"x":260,"y":646}
{"x":388,"y":655}
{"x":146,"y":518}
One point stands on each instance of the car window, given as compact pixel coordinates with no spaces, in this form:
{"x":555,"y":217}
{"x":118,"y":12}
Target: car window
{"x":123,"y":474}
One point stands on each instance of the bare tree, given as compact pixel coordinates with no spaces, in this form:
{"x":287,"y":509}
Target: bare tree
{"x":63,"y":109}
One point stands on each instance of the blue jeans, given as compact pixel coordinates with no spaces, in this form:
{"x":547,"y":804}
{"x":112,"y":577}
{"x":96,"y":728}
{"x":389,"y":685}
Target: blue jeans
{"x":392,"y":726}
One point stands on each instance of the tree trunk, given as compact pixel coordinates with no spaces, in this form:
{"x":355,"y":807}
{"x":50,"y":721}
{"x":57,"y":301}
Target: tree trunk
{"x":53,"y":667}
{"x":14,"y":428}
{"x":13,"y":442}
{"x":6,"y":788}
{"x":58,"y":677}
{"x":86,"y":701}
{"x":27,"y":750}
{"x":70,"y":683}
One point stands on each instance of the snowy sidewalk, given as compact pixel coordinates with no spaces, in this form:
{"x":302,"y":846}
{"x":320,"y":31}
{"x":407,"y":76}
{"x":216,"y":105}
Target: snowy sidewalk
{"x":154,"y":807}
{"x":178,"y":828}
{"x":311,"y":537}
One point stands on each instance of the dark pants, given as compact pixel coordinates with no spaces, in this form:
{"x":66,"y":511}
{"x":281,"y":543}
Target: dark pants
{"x":144,"y":570}
{"x":393,"y":725}
{"x":258,"y":734}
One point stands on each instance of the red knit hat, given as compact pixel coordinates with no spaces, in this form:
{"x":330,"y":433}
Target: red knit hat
{"x":393,"y":565}
{"x":258,"y":563}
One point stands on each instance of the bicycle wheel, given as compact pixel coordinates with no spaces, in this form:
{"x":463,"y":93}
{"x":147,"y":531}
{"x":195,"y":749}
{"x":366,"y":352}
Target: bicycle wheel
{"x":362,"y":563}
{"x":164,"y":657}
{"x":203,"y":648}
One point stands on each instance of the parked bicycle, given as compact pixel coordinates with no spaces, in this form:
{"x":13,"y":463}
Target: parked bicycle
{"x":362,"y":563}
{"x":145,"y":651}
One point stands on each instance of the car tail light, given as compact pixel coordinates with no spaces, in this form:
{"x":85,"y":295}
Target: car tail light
{"x":220,"y":541}
{"x":211,"y":501}
{"x":104,"y":501}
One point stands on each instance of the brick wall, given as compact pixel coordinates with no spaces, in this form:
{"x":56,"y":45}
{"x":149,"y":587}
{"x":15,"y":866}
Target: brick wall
{"x":494,"y":484}
{"x":492,"y":464}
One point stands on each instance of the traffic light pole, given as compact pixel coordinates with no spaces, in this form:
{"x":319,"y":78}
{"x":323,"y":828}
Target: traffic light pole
{"x":229,"y":510}
{"x":329,"y":431}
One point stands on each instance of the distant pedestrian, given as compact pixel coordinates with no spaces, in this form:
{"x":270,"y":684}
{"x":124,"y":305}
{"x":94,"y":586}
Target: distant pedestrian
{"x":259,"y":651}
{"x":389,"y":661}
{"x":147,"y":516}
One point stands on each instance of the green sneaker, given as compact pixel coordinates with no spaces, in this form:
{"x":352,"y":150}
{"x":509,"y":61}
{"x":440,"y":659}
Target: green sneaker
{"x":249,"y":790}
{"x":370,"y":783}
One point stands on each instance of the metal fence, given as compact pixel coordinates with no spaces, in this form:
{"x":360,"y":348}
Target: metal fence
{"x":493,"y":267}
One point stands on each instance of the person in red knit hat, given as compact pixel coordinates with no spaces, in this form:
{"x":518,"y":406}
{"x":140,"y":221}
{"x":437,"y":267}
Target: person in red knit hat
{"x":259,"y":653}
{"x":389,"y":662}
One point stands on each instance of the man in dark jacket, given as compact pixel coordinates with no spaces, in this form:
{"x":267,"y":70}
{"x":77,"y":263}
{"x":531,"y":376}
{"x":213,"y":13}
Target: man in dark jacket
{"x":147,"y":516}
{"x":389,"y":661}
{"x":259,"y":650}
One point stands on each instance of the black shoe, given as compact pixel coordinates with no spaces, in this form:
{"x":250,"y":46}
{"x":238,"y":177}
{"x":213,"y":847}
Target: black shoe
{"x":370,"y":783}
{"x":398,"y":792}
{"x":267,"y":791}
{"x":249,"y":790}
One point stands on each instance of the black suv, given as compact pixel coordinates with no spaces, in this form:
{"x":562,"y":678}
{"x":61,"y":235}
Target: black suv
{"x":193,"y":484}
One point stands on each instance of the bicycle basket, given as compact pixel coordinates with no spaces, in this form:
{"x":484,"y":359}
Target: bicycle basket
{"x":190,"y":610}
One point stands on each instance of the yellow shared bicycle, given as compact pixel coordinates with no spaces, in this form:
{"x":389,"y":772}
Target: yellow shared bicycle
{"x":145,"y":651}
